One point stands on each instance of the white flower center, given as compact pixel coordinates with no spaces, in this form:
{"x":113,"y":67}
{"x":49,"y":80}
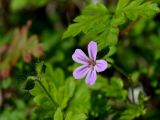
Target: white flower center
{"x":92,"y":63}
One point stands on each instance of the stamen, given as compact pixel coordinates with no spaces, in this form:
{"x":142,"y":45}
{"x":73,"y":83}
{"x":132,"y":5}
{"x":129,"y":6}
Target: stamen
{"x":92,"y":62}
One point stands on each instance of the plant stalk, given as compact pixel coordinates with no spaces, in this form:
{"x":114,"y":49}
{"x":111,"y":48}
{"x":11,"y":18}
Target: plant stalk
{"x":128,"y":78}
{"x":43,"y":87}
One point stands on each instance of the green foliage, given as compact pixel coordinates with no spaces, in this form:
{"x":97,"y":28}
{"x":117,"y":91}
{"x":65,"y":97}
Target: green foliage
{"x":115,"y":89}
{"x":71,"y":116}
{"x":80,"y":103}
{"x":71,"y":103}
{"x":112,"y":88}
{"x":127,"y":33}
{"x":6,"y":83}
{"x":93,"y":15}
{"x":156,"y":45}
{"x":12,"y":113}
{"x":136,"y":8}
{"x":101,"y":25}
{"x":53,"y":95}
{"x":20,"y":4}
{"x":58,"y":114}
{"x":133,"y":111}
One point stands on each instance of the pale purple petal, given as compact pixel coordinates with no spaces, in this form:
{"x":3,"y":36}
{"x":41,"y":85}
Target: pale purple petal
{"x":92,"y":50}
{"x":91,"y":77}
{"x":101,"y":65}
{"x":80,"y":72}
{"x":80,"y":57}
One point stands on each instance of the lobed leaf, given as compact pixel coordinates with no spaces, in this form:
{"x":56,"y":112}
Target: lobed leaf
{"x":133,"y":111}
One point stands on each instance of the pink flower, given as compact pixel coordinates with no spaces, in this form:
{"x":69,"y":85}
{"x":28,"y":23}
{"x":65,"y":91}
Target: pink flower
{"x":90,"y":66}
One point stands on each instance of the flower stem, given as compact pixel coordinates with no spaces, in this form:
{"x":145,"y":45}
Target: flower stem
{"x":128,"y":78}
{"x":120,"y":70}
{"x":46,"y":91}
{"x":129,"y":27}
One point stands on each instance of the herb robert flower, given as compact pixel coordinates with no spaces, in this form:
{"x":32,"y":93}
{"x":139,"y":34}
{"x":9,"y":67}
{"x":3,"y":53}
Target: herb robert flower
{"x":90,"y":66}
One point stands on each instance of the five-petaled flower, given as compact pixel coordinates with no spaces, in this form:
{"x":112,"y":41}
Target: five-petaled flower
{"x":90,"y":66}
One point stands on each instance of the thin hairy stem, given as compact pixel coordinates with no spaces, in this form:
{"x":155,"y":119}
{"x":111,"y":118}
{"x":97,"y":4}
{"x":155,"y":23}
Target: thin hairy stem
{"x":129,"y":27}
{"x":128,"y":78}
{"x":47,"y":93}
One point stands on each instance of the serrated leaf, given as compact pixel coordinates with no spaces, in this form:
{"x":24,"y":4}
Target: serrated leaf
{"x":122,"y":4}
{"x":133,"y":111}
{"x":59,"y":89}
{"x":136,"y":8}
{"x":92,"y":15}
{"x":95,"y":9}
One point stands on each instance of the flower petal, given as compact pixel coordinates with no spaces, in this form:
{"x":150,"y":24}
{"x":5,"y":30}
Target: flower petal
{"x":80,"y":57}
{"x":91,"y":77}
{"x":101,"y":65}
{"x":80,"y":72}
{"x":92,"y":50}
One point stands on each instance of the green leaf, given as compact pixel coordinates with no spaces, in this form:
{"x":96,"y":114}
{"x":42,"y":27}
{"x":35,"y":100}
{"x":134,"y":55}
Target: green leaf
{"x":64,"y":93}
{"x":80,"y":102}
{"x":114,"y":89}
{"x":142,"y":98}
{"x":117,"y":82}
{"x":133,"y":111}
{"x":59,"y":77}
{"x":75,"y":116}
{"x":98,"y":23}
{"x":100,"y":83}
{"x":18,"y":111}
{"x":94,"y":15}
{"x":46,"y":107}
{"x":40,"y":68}
{"x":109,"y":37}
{"x":5,"y":83}
{"x":70,"y":87}
{"x":95,"y":9}
{"x":136,"y":8}
{"x":122,"y":4}
{"x":60,"y":90}
{"x":105,"y":32}
{"x":58,"y":114}
{"x":18,"y":4}
{"x":112,"y":50}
